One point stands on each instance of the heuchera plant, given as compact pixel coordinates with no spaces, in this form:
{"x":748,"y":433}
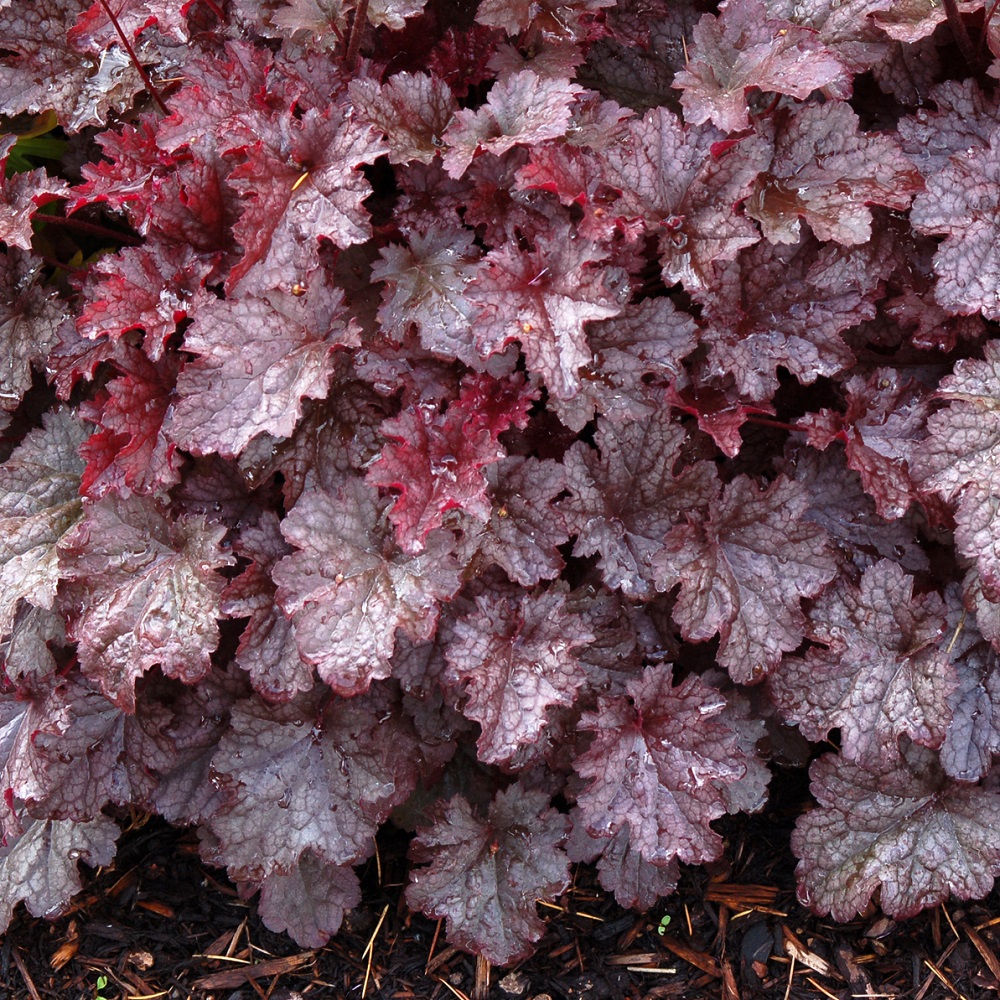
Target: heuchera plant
{"x":499,"y":420}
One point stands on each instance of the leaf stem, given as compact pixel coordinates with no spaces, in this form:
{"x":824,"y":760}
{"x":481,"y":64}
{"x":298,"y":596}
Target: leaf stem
{"x":765,"y":422}
{"x":89,"y":227}
{"x":60,"y":264}
{"x":147,"y":82}
{"x":357,"y":30}
{"x":960,"y":33}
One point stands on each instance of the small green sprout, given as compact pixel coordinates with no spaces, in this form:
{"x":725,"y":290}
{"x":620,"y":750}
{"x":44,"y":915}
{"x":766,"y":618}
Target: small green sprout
{"x":663,"y":925}
{"x":102,"y":982}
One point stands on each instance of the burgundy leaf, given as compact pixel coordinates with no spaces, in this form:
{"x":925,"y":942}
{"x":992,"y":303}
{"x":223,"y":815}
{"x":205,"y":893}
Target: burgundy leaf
{"x":656,"y":765}
{"x":839,"y":504}
{"x":743,"y":572}
{"x":267,"y":649}
{"x":883,"y":426}
{"x":781,"y":306}
{"x":515,"y":659}
{"x":636,"y":883}
{"x":335,"y":439}
{"x":221,"y":88}
{"x":141,"y":591}
{"x":574,"y":175}
{"x":973,"y":735}
{"x":625,"y":634}
{"x":185,"y":723}
{"x":928,"y":324}
{"x":962,"y":203}
{"x":543,"y":298}
{"x":126,"y":182}
{"x":426,"y":284}
{"x":882,"y":671}
{"x":309,"y":901}
{"x":42,"y":69}
{"x":73,"y":358}
{"x":67,"y":752}
{"x":40,"y":866}
{"x":152,"y":288}
{"x":412,"y":110}
{"x":320,"y":24}
{"x":908,"y":72}
{"x":217,"y":489}
{"x":505,"y":215}
{"x":299,"y":182}
{"x":743,"y":712}
{"x":911,"y":20}
{"x":525,"y":530}
{"x":95,"y":30}
{"x":381,"y":419}
{"x":436,"y":460}
{"x":30,"y":319}
{"x":847,"y":28}
{"x":130,"y":453}
{"x":430,"y":199}
{"x":484,"y":874}
{"x":964,"y":119}
{"x":193,"y":209}
{"x":635,"y":356}
{"x":827,"y":172}
{"x":636,"y":65}
{"x":685,"y":184}
{"x":625,"y":496}
{"x":257,"y":359}
{"x":420,"y":665}
{"x":392,"y":13}
{"x":348,"y":591}
{"x":424,"y":380}
{"x":960,"y":458}
{"x":520,"y":108}
{"x":39,"y":504}
{"x":551,"y":16}
{"x":987,"y":612}
{"x":20,"y":195}
{"x":26,"y":651}
{"x":720,"y":412}
{"x":461,"y":58}
{"x":312,"y":774}
{"x":743,"y":48}
{"x":976,"y":534}
{"x":900,"y":828}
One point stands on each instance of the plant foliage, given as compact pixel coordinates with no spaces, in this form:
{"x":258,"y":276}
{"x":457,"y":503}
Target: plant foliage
{"x":408,"y":408}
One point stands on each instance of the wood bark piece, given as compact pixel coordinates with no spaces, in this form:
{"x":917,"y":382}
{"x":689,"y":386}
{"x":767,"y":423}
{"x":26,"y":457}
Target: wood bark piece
{"x":231,"y":978}
{"x":696,"y":958}
{"x":794,"y":948}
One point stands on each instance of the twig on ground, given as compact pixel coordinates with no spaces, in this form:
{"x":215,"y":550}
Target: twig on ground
{"x":25,"y":975}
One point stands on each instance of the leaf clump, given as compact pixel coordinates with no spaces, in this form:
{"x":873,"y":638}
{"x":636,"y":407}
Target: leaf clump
{"x":518,"y":430}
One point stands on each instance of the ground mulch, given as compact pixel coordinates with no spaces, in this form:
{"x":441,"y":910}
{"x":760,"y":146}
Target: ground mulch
{"x":161,"y":924}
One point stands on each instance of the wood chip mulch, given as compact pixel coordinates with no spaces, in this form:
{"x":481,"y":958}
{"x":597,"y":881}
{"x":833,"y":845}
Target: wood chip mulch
{"x":161,"y":924}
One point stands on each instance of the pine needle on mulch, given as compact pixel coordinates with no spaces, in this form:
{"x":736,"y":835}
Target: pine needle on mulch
{"x":160,"y":924}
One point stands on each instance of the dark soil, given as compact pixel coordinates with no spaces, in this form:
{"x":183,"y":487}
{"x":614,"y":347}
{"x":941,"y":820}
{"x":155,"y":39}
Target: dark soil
{"x":160,"y":924}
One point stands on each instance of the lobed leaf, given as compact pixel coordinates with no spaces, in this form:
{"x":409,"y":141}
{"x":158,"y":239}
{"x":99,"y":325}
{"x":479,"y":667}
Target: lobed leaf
{"x":485,"y":873}
{"x":142,"y":591}
{"x":656,"y":766}
{"x":900,"y":828}
{"x":39,"y":504}
{"x":347,"y":591}
{"x":743,"y":48}
{"x":744,"y":571}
